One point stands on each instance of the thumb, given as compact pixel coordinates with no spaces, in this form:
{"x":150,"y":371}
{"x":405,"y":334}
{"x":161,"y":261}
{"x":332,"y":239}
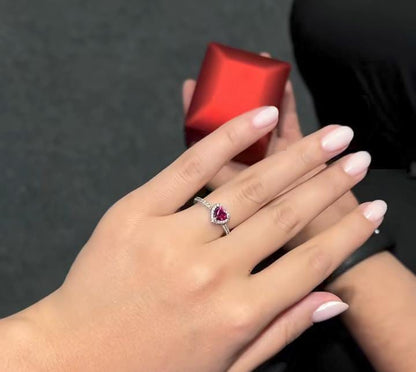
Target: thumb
{"x":286,"y":327}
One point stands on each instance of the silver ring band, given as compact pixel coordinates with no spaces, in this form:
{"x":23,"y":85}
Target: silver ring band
{"x":218,"y":214}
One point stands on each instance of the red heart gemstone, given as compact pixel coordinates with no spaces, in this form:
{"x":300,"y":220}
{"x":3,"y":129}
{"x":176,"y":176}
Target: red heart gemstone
{"x":220,"y":214}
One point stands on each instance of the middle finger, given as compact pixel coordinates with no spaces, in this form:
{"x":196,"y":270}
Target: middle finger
{"x":262,"y":182}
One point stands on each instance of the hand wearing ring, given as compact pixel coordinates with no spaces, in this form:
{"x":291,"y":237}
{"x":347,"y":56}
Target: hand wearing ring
{"x":157,"y":289}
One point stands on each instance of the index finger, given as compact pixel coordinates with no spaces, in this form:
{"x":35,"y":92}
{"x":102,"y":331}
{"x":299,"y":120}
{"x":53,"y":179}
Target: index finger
{"x":173,"y":186}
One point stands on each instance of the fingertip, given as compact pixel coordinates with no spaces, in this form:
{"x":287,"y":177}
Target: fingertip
{"x":329,"y":310}
{"x":319,"y":297}
{"x":265,"y":116}
{"x":188,"y":88}
{"x":319,"y":306}
{"x":265,"y":54}
{"x":325,"y":305}
{"x":187,"y":84}
{"x":374,"y":211}
{"x":328,"y":128}
{"x":289,"y":87}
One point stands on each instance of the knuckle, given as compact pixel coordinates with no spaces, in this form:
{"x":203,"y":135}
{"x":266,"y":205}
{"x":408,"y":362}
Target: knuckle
{"x":285,"y":216}
{"x":202,"y":278}
{"x":191,"y":168}
{"x":232,"y":135}
{"x":288,"y":331}
{"x":309,"y":156}
{"x":253,"y":190}
{"x":320,"y":261}
{"x":241,"y":319}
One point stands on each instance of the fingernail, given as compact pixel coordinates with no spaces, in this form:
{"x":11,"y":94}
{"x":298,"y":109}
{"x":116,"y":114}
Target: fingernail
{"x":357,"y":163}
{"x":266,"y":117}
{"x":337,"y":139}
{"x":328,"y":310}
{"x":375,"y":211}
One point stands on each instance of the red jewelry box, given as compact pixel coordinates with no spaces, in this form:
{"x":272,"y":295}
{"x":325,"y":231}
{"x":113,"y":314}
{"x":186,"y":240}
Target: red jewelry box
{"x":232,"y":81}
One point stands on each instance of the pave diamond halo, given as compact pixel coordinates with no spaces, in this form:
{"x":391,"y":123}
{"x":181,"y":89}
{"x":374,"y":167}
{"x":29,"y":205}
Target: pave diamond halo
{"x":218,"y":214}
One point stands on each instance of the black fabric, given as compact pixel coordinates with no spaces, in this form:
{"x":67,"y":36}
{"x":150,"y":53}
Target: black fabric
{"x":358,"y":58}
{"x":326,"y":347}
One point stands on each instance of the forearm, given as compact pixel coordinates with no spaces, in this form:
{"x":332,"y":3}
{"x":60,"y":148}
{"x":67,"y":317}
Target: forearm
{"x":381,"y":293}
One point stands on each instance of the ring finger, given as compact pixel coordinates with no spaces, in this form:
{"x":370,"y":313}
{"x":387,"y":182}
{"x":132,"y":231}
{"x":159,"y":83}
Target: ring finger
{"x":284,"y":217}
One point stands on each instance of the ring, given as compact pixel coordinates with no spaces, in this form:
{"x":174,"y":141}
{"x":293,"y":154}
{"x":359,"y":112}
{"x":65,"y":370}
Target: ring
{"x":218,"y":214}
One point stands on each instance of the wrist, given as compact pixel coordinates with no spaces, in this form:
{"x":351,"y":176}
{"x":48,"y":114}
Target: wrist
{"x":380,"y":292}
{"x":359,"y":277}
{"x":25,"y":341}
{"x":378,"y":242}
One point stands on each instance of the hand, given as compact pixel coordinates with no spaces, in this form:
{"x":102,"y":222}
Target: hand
{"x":154,"y":289}
{"x":287,"y":133}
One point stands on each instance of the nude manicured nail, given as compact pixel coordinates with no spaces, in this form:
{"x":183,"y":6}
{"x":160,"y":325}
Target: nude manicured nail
{"x":337,"y":139}
{"x":266,"y":117}
{"x":375,"y":211}
{"x":357,"y":163}
{"x":328,"y":310}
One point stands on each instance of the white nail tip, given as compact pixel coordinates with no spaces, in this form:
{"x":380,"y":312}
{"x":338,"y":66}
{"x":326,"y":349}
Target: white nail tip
{"x":357,"y":163}
{"x":328,"y":310}
{"x":337,"y":139}
{"x":376,"y":210}
{"x":266,"y":117}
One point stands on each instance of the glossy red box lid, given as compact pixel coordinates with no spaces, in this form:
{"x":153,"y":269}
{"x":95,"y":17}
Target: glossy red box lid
{"x":232,"y":81}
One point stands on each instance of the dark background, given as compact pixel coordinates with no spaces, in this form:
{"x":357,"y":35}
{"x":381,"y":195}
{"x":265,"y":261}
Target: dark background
{"x":90,"y":108}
